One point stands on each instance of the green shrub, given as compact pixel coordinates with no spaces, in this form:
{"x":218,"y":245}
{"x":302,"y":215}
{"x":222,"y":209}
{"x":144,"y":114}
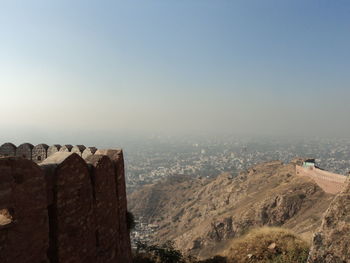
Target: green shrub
{"x":165,"y":253}
{"x":130,"y":221}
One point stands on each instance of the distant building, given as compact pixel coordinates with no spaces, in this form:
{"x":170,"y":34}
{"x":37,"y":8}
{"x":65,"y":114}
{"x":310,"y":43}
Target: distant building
{"x":309,"y":163}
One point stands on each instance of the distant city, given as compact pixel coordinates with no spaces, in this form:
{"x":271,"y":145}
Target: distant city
{"x":157,"y":159}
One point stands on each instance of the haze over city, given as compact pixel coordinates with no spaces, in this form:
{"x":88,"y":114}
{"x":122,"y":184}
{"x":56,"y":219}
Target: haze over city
{"x":178,"y":131}
{"x":84,"y":70}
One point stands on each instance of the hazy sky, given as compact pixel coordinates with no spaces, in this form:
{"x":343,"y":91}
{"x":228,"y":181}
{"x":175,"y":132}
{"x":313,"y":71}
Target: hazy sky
{"x":77,"y":70}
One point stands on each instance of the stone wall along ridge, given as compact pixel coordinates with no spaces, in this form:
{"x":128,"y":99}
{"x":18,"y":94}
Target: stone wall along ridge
{"x":330,"y":182}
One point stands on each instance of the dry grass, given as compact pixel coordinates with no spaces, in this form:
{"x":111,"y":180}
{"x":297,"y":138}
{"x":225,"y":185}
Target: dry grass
{"x":268,"y":244}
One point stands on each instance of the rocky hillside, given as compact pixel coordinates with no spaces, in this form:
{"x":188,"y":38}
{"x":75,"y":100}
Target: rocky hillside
{"x":199,"y":215}
{"x":331,"y":243}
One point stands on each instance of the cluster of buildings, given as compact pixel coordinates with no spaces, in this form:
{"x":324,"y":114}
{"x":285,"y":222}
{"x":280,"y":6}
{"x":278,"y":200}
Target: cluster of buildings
{"x":209,"y":159}
{"x":143,"y":232}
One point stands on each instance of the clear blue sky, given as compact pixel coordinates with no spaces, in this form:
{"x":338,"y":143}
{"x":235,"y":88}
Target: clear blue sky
{"x":82,"y":69}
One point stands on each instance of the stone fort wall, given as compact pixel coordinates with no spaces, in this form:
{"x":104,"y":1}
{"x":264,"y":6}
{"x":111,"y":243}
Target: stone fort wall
{"x":64,"y":209}
{"x":41,"y":151}
{"x":330,"y":182}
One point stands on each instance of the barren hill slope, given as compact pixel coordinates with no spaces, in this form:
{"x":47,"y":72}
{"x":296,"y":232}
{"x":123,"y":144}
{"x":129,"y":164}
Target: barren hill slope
{"x":199,"y":214}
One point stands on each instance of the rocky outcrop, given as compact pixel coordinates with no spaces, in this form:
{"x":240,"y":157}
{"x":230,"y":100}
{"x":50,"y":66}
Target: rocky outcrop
{"x":332,"y":243}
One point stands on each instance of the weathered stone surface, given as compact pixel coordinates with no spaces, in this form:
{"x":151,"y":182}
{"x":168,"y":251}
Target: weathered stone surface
{"x":25,"y":151}
{"x":89,"y":151}
{"x":72,"y":230}
{"x":39,"y":152}
{"x":332,"y":243}
{"x":8,"y":149}
{"x":330,"y":182}
{"x":71,"y":213}
{"x":53,"y":149}
{"x":124,"y":250}
{"x":105,"y":207}
{"x":78,"y":149}
{"x":23,"y":212}
{"x":56,"y":158}
{"x":66,"y":148}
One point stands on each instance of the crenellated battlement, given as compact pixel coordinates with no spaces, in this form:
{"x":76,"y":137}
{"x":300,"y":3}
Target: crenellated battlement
{"x":41,"y":151}
{"x":63,"y":208}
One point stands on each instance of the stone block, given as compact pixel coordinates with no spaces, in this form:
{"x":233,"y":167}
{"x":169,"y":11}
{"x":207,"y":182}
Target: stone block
{"x":66,"y":148}
{"x":124,"y":250}
{"x":78,"y":149}
{"x":105,"y":208}
{"x":8,"y":149}
{"x":39,"y":152}
{"x":53,"y":149}
{"x":71,"y":218}
{"x":89,"y":151}
{"x":25,"y":151}
{"x":24,"y":229}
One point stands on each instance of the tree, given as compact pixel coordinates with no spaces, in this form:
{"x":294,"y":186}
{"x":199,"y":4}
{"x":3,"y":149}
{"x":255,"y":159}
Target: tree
{"x":130,"y":221}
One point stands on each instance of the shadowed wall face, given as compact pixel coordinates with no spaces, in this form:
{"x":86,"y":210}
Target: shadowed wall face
{"x":24,"y":235}
{"x":25,"y":151}
{"x":66,"y":211}
{"x":117,"y":157}
{"x":106,"y":208}
{"x":73,"y":238}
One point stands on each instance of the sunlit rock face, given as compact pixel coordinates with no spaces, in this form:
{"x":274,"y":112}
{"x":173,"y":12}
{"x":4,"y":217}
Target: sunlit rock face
{"x":200,"y":215}
{"x":332,"y":243}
